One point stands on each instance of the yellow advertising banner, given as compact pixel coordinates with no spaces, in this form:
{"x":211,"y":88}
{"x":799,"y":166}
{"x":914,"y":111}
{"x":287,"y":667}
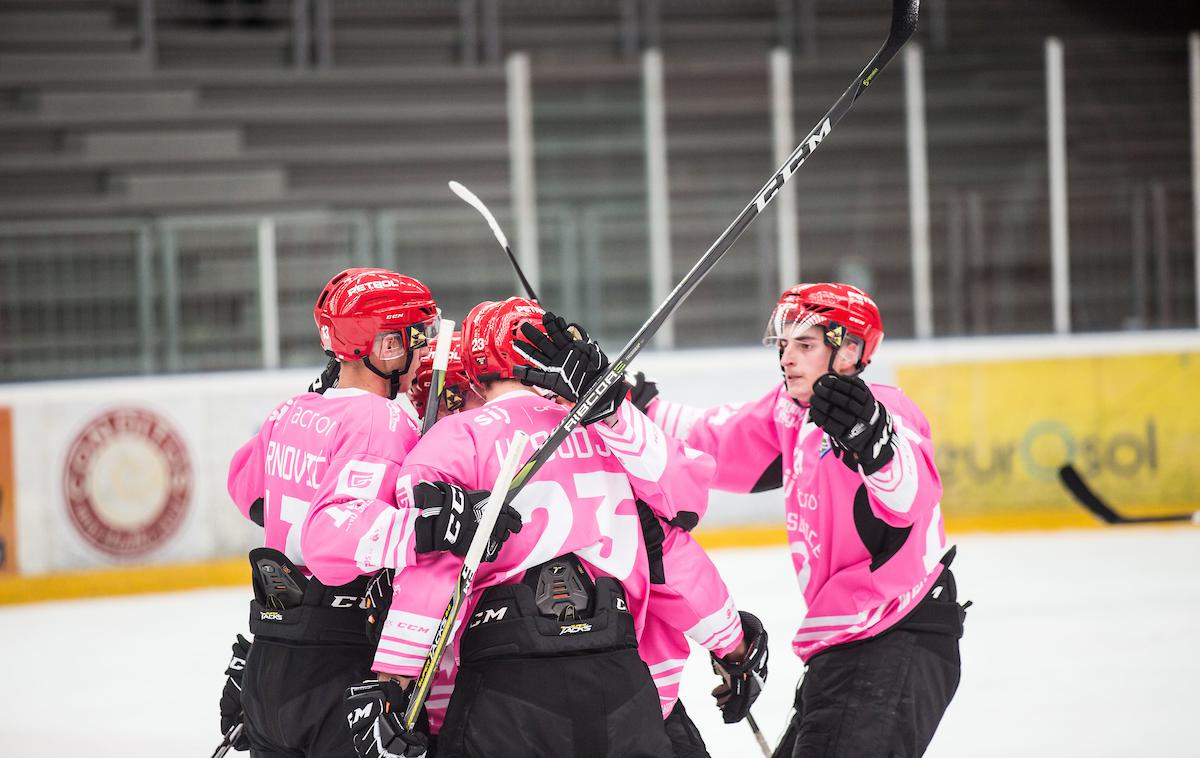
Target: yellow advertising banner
{"x":1129,"y":424}
{"x":8,"y":497}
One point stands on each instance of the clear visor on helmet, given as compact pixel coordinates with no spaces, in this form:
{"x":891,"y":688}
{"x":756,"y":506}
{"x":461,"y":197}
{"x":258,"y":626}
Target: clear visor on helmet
{"x":790,"y":322}
{"x":411,"y":338}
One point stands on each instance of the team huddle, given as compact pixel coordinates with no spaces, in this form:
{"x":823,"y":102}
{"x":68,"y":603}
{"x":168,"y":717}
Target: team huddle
{"x":578,"y":624}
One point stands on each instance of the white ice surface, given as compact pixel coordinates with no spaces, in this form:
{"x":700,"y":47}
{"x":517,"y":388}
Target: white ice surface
{"x":1080,"y":643}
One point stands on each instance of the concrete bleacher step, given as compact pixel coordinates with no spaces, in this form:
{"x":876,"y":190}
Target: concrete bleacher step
{"x":97,"y":104}
{"x":53,"y":20}
{"x":176,"y":188}
{"x":249,"y":48}
{"x":153,"y":146}
{"x":85,"y":65}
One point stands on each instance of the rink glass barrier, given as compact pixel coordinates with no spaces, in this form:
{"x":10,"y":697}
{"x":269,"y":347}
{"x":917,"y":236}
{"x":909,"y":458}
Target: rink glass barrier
{"x":119,"y":484}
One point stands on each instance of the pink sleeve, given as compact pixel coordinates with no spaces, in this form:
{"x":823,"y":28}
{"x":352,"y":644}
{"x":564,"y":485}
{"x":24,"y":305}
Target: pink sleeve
{"x":246,"y":474}
{"x":354,"y":526}
{"x":424,"y":585}
{"x":248,"y":469}
{"x":665,"y":473}
{"x":909,"y":484}
{"x":694,"y":598}
{"x":741,"y":437}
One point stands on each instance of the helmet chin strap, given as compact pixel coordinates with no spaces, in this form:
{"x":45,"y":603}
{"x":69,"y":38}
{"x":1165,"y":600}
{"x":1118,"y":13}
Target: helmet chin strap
{"x":393,"y":378}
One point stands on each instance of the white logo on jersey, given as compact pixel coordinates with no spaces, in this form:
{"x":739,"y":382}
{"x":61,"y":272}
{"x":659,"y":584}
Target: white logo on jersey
{"x":361,"y":479}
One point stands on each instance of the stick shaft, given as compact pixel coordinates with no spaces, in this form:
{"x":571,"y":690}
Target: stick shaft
{"x":904,"y":21}
{"x":479,"y":542}
{"x":441,"y":358}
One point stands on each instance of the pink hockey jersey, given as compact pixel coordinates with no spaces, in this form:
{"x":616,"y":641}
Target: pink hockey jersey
{"x":864,"y":548}
{"x":581,"y":501}
{"x":340,"y":450}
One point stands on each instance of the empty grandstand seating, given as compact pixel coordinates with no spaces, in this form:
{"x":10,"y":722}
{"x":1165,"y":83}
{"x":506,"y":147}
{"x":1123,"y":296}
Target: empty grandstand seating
{"x":363,"y":109}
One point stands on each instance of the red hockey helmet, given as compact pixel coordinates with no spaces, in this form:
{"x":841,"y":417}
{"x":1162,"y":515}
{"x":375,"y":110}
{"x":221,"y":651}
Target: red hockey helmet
{"x":456,"y":377}
{"x":359,"y":304}
{"x":848,"y":314}
{"x":488,"y":333}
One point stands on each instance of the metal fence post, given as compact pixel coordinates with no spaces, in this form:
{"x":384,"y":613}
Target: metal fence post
{"x":918,"y":190}
{"x":145,"y":306}
{"x":268,"y":292}
{"x":521,"y":164}
{"x":147,"y":32}
{"x":783,"y":138}
{"x":658,"y":209}
{"x":1060,"y":260}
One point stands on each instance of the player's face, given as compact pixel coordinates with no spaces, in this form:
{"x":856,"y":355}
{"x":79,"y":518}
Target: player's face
{"x":803,"y":357}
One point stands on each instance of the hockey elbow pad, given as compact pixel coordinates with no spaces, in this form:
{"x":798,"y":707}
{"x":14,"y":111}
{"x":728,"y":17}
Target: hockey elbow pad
{"x":742,"y":681}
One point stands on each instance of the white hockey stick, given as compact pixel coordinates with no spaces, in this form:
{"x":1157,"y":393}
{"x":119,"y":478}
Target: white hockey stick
{"x":473,"y":200}
{"x":487,"y":521}
{"x":441,"y":358}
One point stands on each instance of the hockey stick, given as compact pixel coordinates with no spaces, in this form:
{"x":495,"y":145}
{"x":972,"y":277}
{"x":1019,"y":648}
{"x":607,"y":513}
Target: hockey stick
{"x":227,"y":741}
{"x":441,"y":358}
{"x":758,"y":735}
{"x":903,"y":23}
{"x":483,"y":533}
{"x":473,"y":200}
{"x":1090,"y":500}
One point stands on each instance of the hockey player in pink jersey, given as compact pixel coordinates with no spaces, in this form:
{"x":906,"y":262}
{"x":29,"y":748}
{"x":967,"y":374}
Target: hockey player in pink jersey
{"x":548,"y":661}
{"x":882,"y":623}
{"x":310,"y":631}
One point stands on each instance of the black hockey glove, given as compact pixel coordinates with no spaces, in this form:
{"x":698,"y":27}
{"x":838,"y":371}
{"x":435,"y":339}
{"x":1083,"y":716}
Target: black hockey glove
{"x":375,"y":712}
{"x":231,"y":696}
{"x":858,"y":425}
{"x":644,"y":390}
{"x":743,"y":681}
{"x":450,"y":516}
{"x":377,"y":601}
{"x":327,"y":378}
{"x":567,"y":362}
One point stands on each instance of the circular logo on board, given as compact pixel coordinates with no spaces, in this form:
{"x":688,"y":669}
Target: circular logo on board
{"x":127,"y":482}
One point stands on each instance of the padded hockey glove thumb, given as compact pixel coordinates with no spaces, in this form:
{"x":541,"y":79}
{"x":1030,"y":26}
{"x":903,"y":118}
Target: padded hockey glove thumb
{"x":374,"y":712}
{"x":450,"y":516}
{"x":743,"y":680}
{"x":231,"y":696}
{"x":567,"y":362}
{"x":644,"y":390}
{"x":327,"y":378}
{"x":564,"y":360}
{"x":858,"y":425}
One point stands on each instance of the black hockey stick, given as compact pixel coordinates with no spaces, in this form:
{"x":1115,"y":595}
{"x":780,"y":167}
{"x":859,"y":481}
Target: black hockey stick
{"x":475,"y":551}
{"x":1084,"y":495}
{"x":903,"y":23}
{"x":471,"y":199}
{"x":758,"y":735}
{"x":227,"y":741}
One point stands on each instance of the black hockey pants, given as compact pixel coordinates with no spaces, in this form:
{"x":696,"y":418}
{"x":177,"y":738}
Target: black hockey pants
{"x":686,"y":741}
{"x":535,"y":686}
{"x":883,"y":697}
{"x":294,"y":694}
